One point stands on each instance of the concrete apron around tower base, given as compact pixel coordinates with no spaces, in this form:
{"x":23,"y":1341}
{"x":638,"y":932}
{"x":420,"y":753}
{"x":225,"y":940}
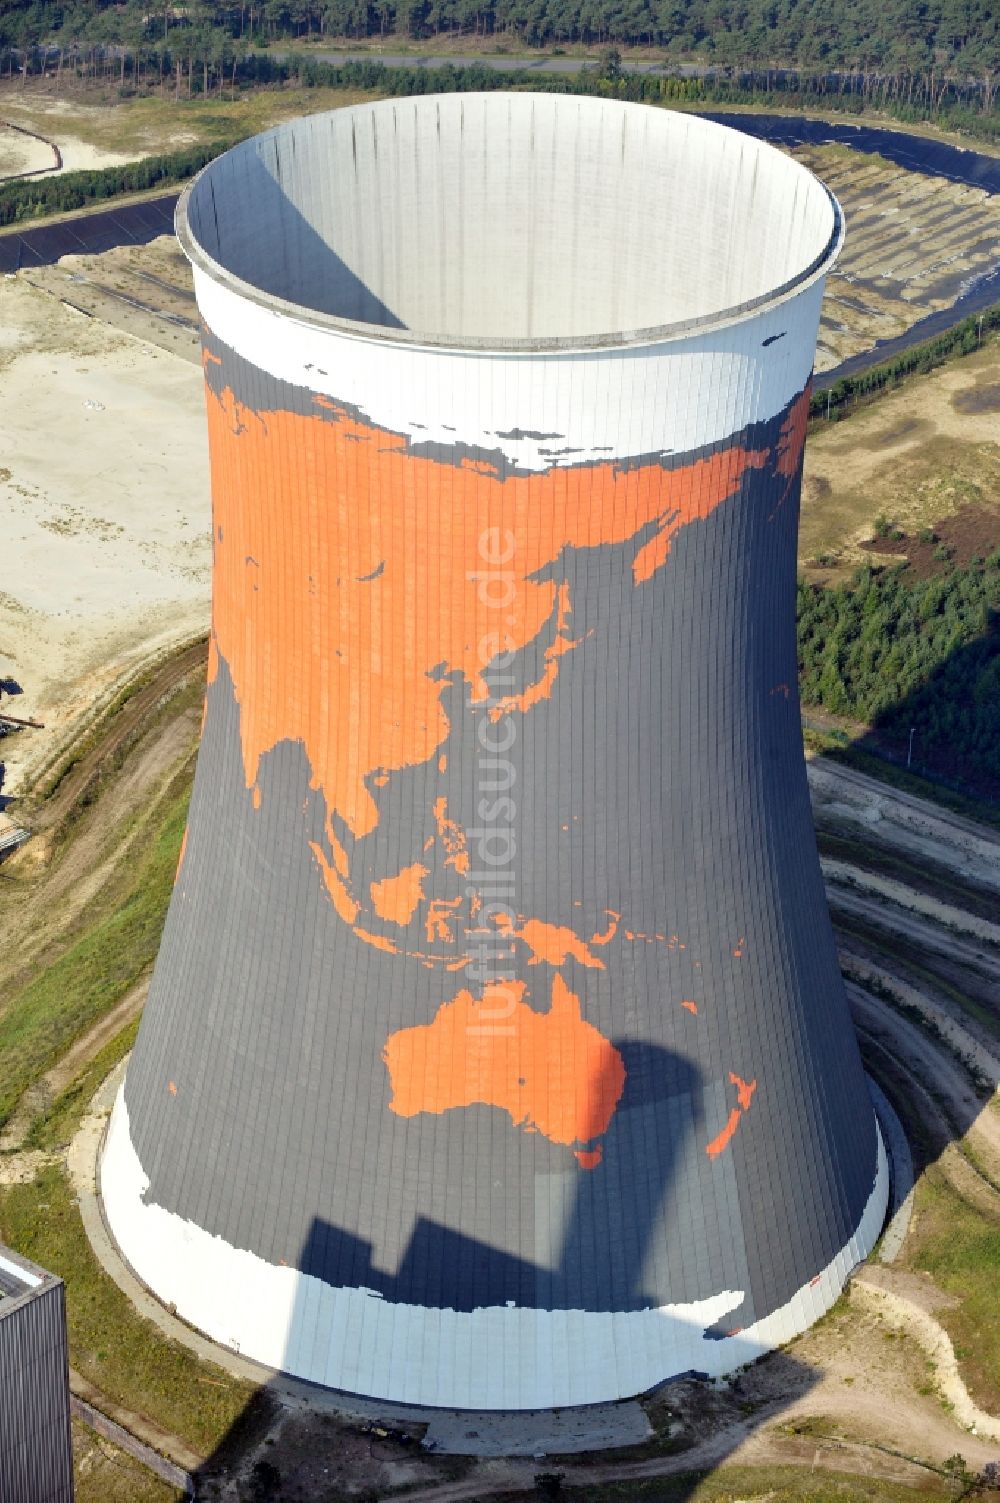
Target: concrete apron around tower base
{"x":595,"y":1427}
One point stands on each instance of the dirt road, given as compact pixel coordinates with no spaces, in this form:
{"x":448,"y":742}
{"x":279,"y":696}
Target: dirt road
{"x":912,"y":825}
{"x":883,"y":894}
{"x":935,"y":1068}
{"x":922,"y":934}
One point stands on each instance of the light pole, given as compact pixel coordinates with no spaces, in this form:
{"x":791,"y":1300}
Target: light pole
{"x":909,"y":750}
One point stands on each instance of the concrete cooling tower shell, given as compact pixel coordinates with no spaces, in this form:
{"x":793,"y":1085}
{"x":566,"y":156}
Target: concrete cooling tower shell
{"x":497,"y":1054}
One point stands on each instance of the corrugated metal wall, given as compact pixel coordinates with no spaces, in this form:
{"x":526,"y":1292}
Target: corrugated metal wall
{"x":36,"y":1461}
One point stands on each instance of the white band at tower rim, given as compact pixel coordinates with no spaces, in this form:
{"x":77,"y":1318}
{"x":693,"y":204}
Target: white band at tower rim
{"x":673,"y":398}
{"x":497,"y":1358}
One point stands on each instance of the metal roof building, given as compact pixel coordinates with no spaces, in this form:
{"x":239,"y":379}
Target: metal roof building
{"x":36,"y":1453}
{"x":497,"y":1054}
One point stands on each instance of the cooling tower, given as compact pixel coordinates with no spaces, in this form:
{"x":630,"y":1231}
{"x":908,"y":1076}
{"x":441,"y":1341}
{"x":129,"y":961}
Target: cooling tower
{"x":497,"y":1054}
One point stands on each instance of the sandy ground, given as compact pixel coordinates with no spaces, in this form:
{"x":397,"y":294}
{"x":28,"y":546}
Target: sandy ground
{"x":20,"y":154}
{"x":917,"y":455}
{"x":911,"y":826}
{"x":144,"y":290}
{"x":57,"y":120}
{"x":914,"y":242}
{"x":105,"y":503}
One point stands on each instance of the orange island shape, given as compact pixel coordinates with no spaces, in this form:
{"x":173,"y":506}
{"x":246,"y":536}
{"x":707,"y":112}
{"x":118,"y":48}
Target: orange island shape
{"x":552,"y":1072}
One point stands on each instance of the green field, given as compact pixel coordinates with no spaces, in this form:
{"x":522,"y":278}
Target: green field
{"x":65,"y":998}
{"x":110,"y":1344}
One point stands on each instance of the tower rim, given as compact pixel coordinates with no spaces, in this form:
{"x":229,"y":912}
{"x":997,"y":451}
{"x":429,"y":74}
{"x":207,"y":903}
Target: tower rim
{"x":627,"y":338}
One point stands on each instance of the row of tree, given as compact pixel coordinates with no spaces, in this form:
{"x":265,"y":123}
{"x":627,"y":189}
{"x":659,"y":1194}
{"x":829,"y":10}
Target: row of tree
{"x":901,"y":654}
{"x":918,"y":55}
{"x":29,"y":199}
{"x":834,"y":400}
{"x":34,"y":198}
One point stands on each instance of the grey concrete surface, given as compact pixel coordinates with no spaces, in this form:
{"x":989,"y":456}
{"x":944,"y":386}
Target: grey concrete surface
{"x":493,"y":220}
{"x":538,"y":1433}
{"x":901,"y":1166}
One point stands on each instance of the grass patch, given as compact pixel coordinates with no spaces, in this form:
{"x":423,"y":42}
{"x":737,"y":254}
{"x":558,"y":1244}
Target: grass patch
{"x":159,"y":123}
{"x":729,"y":1484}
{"x":110,"y":1344}
{"x":103,"y":1474}
{"x":41,"y":1021}
{"x":56,"y":1127}
{"x":959,"y":1247}
{"x":159,"y":119}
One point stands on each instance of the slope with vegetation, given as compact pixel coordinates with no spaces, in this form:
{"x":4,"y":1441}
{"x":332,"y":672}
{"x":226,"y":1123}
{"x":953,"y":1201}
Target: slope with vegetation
{"x":899,"y":653}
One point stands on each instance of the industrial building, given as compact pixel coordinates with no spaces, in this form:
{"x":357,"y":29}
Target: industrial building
{"x":36,"y":1452}
{"x":497,"y":1054}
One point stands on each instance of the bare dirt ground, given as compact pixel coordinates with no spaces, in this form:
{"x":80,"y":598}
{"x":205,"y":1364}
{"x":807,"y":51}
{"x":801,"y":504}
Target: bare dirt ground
{"x":913,"y":244}
{"x":104,"y":490}
{"x":23,"y":152}
{"x":921,"y":455}
{"x":844,"y":798}
{"x":145,"y":291}
{"x":58,"y":121}
{"x":970,"y":533}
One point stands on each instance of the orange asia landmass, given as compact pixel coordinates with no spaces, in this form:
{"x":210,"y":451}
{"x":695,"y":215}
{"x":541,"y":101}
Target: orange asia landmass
{"x":397,"y":898}
{"x":552,"y":1072}
{"x":333,"y":622}
{"x":554,"y":943}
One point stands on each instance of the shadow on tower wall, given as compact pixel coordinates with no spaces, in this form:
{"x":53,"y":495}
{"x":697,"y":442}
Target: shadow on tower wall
{"x":276,"y":1456}
{"x":276,"y":1452}
{"x":445,"y":1269}
{"x":278,"y":250}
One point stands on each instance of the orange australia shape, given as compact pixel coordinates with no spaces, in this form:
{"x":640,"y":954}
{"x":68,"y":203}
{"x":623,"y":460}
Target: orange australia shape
{"x":552,"y":1072}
